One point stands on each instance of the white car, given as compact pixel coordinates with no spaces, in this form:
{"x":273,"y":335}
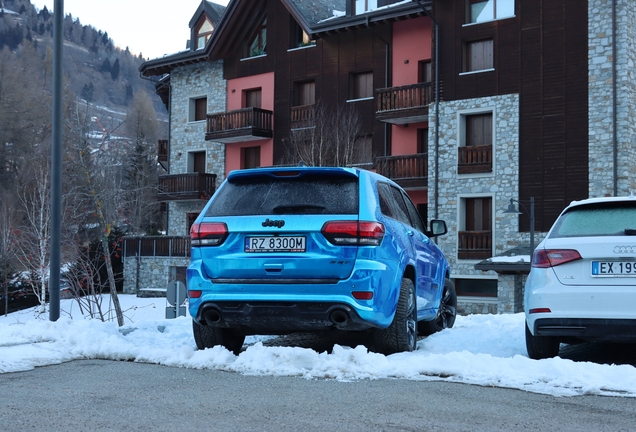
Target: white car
{"x":582,"y":284}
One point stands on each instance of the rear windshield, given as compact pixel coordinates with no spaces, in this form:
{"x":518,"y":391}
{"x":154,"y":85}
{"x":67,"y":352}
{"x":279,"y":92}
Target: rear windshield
{"x":601,"y":219}
{"x":308,"y":194}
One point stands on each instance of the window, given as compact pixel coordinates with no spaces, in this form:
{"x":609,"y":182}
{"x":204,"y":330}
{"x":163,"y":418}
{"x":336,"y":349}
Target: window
{"x":250,"y":157}
{"x":361,"y":85}
{"x":596,"y":220}
{"x":305,"y":93}
{"x":422,"y":140}
{"x":204,"y":31}
{"x":253,"y":98}
{"x":475,"y":235}
{"x":474,"y":156}
{"x":257,"y":46}
{"x":362,"y":6}
{"x":425,"y":71}
{"x":479,"y":55}
{"x":476,"y":287}
{"x":478,"y":214}
{"x":488,"y":10}
{"x":197,"y":109}
{"x":479,"y":130}
{"x":299,"y":37}
{"x":416,"y":220}
{"x":397,"y":205}
{"x":196,"y":162}
{"x":323,"y":194}
{"x":422,"y":209}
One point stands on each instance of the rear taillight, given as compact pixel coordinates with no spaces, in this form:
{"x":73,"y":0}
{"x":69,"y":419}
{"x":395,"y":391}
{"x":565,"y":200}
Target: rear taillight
{"x":208,"y":233}
{"x":353,"y":233}
{"x":539,"y":310}
{"x":194,"y":293}
{"x":544,"y":258}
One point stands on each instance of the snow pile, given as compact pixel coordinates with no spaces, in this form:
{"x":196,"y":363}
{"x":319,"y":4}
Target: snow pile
{"x":486,"y":350}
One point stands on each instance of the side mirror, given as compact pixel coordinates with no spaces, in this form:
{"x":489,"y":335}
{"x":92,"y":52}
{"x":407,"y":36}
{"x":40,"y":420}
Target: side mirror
{"x":438,"y":228}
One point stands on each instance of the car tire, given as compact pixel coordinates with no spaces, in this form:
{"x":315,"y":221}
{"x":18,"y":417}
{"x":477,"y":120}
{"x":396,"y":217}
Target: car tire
{"x":541,"y":347}
{"x":208,"y":337}
{"x":401,"y":335}
{"x":446,"y":313}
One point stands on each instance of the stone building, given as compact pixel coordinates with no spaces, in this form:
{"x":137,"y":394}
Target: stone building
{"x":534,"y":100}
{"x":191,"y":86}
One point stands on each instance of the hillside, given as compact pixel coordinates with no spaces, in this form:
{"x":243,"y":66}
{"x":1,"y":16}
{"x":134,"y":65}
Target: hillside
{"x":95,"y":69}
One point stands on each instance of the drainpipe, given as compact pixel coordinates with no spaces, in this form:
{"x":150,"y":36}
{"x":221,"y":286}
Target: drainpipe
{"x":614,"y":100}
{"x":436,"y":196}
{"x":169,"y":138}
{"x":386,"y":81}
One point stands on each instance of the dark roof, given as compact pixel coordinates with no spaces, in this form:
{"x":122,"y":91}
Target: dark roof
{"x":313,"y":12}
{"x":316,"y":17}
{"x":399,"y":10}
{"x":212,"y":10}
{"x":508,"y":264}
{"x":165,"y":64}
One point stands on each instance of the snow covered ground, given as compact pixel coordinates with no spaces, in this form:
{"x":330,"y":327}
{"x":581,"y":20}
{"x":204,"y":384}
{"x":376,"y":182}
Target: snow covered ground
{"x":486,"y":350}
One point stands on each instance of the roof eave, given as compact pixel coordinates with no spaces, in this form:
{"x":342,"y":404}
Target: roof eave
{"x":389,"y":13}
{"x":165,"y":64}
{"x":504,"y":268}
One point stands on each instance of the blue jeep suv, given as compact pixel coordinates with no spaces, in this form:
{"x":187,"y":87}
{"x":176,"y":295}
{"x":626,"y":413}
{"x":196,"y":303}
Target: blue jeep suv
{"x":310,"y":249}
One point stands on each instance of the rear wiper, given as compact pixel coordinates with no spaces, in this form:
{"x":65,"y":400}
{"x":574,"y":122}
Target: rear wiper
{"x":630,"y":231}
{"x":298,"y":208}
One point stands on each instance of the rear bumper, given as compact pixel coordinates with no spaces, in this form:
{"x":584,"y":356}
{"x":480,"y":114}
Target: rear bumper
{"x":283,"y":306}
{"x":589,"y":329}
{"x":262,"y":317}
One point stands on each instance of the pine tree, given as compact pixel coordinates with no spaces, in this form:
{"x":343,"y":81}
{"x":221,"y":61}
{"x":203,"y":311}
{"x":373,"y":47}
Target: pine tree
{"x":114,"y":71}
{"x":106,"y":67}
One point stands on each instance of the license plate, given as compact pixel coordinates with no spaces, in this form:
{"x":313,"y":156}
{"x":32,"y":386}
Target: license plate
{"x":275,"y":244}
{"x":613,"y":268}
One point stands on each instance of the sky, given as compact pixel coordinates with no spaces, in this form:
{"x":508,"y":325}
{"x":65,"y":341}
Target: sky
{"x":150,"y":27}
{"x":487,"y":350}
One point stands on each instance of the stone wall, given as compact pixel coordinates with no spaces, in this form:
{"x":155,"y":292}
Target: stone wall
{"x":150,"y":273}
{"x":500,"y":185}
{"x":187,"y":82}
{"x":601,"y":94}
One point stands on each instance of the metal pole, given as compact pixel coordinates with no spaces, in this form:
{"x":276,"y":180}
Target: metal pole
{"x":531,"y":228}
{"x":56,"y":164}
{"x":436,"y":194}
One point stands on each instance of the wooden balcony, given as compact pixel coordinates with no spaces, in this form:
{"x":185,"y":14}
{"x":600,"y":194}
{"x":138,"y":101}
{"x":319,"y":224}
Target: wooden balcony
{"x":162,"y":150}
{"x":246,"y":124}
{"x":409,"y":171}
{"x":157,"y":246}
{"x":474,"y":159}
{"x":404,"y":104}
{"x":303,"y":117}
{"x":474,"y":244}
{"x":186,"y":187}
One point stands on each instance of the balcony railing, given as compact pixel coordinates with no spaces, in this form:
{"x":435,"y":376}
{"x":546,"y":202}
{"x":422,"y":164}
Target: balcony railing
{"x":474,"y":159}
{"x":303,"y":116}
{"x":246,"y":124}
{"x":162,"y":150}
{"x":404,"y":104}
{"x":474,"y":244}
{"x":157,"y":246}
{"x":186,"y":187}
{"x":406,"y":170}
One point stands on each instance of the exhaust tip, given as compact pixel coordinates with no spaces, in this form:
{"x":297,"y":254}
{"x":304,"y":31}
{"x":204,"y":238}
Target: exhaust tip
{"x":339,"y":317}
{"x":212,"y":316}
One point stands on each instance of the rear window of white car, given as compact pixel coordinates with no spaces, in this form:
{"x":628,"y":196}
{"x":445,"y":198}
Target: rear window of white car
{"x":596,"y":220}
{"x":266,"y":195}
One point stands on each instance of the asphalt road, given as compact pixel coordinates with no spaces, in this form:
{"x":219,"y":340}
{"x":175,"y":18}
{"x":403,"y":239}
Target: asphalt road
{"x":98,"y":395}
